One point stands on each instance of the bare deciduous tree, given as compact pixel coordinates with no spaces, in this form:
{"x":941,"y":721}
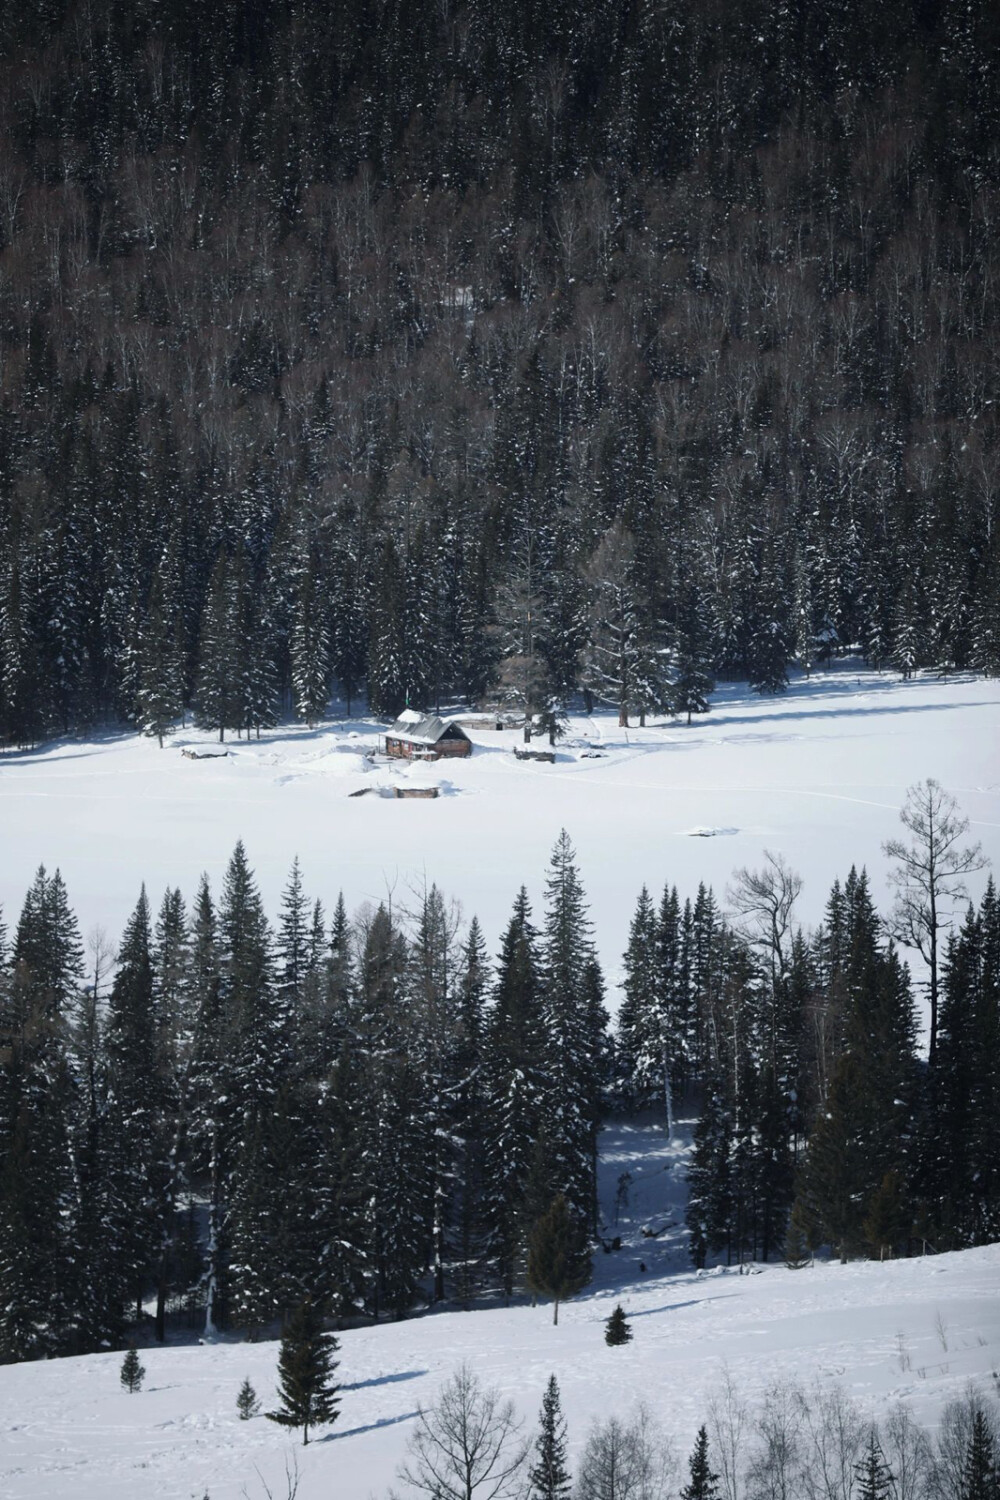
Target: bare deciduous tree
{"x":763,"y":901}
{"x":727,"y":1425}
{"x":468,"y":1445}
{"x":907,"y":1452}
{"x":929,"y":877}
{"x":833,"y":1435}
{"x":625,"y":1461}
{"x":775,"y":1468}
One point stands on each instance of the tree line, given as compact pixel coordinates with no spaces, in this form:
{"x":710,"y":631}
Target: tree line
{"x":367,"y":1113}
{"x":821,"y":1123}
{"x":522,"y":351}
{"x":360,"y":1111}
{"x":814,"y":1441}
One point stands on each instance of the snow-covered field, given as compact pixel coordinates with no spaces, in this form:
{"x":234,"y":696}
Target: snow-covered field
{"x":817,"y":775}
{"x":914,"y":1331}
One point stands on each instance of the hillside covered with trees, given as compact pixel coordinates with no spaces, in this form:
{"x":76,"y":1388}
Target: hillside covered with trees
{"x":373,"y":1114}
{"x":476,"y":349}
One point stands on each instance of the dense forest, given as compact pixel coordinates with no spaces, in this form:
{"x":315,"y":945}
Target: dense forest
{"x":478,"y":349}
{"x":225,"y":1117}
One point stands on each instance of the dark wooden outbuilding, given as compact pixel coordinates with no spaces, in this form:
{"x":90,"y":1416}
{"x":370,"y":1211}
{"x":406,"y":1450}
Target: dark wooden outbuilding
{"x":425,"y":737}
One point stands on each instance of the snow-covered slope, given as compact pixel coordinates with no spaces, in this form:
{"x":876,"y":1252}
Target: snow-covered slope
{"x":817,"y":775}
{"x":915,"y":1331}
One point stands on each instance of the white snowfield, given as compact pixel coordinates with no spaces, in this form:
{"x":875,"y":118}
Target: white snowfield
{"x":915,"y":1331}
{"x":817,"y":775}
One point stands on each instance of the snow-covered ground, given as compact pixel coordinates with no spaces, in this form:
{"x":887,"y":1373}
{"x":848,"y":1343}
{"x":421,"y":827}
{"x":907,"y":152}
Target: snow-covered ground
{"x":915,"y":1331}
{"x":817,"y":775}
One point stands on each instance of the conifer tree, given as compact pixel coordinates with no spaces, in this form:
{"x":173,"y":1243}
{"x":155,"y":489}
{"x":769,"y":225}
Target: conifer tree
{"x":866,"y":1128}
{"x":247,"y":1401}
{"x":515,"y":1080}
{"x":41,"y":1264}
{"x":132,"y":1373}
{"x":874,"y":1480}
{"x":559,"y":1262}
{"x":981,"y":1473}
{"x":693,"y":678}
{"x":39,"y":1209}
{"x":959,"y":1174}
{"x":797,"y":1253}
{"x":160,"y":698}
{"x":573,"y":1063}
{"x":549,"y":1477}
{"x":305,"y":1373}
{"x":260,"y":647}
{"x":468,"y":1065}
{"x":887,"y":1222}
{"x":137,"y":1131}
{"x":292,"y":949}
{"x":217,"y":689}
{"x":767,"y":651}
{"x":703,"y":1484}
{"x":709,"y":1214}
{"x":310,"y":645}
{"x":617,"y":1330}
{"x":639,"y":1013}
{"x":387,"y":684}
{"x":341,"y":1191}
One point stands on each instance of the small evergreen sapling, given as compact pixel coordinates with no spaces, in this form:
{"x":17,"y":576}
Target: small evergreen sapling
{"x":874,"y":1479}
{"x":616,"y":1329}
{"x":305,"y":1372}
{"x":132,"y":1372}
{"x":247,"y":1403}
{"x":703,"y":1485}
{"x":549,"y":1478}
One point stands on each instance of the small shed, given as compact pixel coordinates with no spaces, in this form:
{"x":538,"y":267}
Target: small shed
{"x":425,"y":737}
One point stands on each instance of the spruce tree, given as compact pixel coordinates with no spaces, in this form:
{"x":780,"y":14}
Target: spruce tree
{"x":387,"y":684}
{"x":867,"y":1126}
{"x":515,"y":1090}
{"x":638,"y":1052}
{"x":548,"y":1477}
{"x":559,"y":1262}
{"x":797,"y":1253}
{"x":247,"y":1401}
{"x":693,"y":678}
{"x":573,"y":1050}
{"x":160,"y":697}
{"x":617,"y":1330}
{"x":310,"y":645}
{"x":468,"y":1233}
{"x":981,"y":1473}
{"x":874,"y":1481}
{"x":132,"y":1373}
{"x":887,"y":1222}
{"x":137,"y":1133}
{"x":217,"y":689}
{"x":42,"y":1263}
{"x":703,"y":1484}
{"x":710,"y":1212}
{"x":305,"y":1373}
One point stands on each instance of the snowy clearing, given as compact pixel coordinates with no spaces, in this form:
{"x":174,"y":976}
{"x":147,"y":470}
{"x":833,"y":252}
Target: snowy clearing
{"x":817,"y":775}
{"x":68,"y":1429}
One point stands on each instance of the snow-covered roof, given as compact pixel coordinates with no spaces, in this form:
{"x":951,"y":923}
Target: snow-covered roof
{"x":420,"y":729}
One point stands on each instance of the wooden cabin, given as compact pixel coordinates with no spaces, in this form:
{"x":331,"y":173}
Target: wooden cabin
{"x":425,"y":737}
